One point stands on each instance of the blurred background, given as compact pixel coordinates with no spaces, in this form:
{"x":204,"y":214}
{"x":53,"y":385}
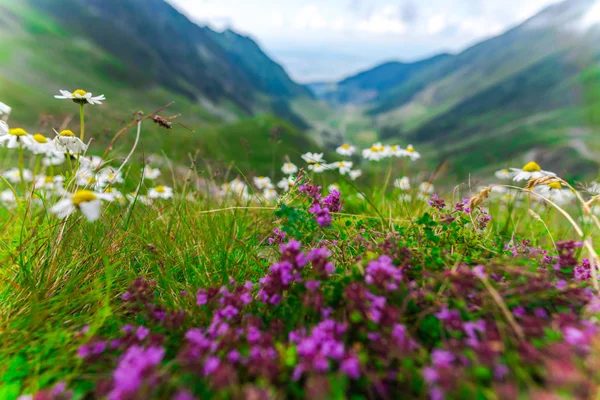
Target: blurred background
{"x":474,"y":85}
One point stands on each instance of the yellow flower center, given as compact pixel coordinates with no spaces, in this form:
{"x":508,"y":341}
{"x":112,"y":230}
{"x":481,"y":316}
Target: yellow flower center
{"x":317,"y":165}
{"x":49,"y":179}
{"x":375,"y":149}
{"x":17,"y":132}
{"x":91,"y":180}
{"x":532,"y":166}
{"x":394,"y":147}
{"x":410,"y":148}
{"x":83,"y":196}
{"x":555,"y":185}
{"x":345,"y":146}
{"x":160,"y":189}
{"x":111,"y":176}
{"x":80,"y":92}
{"x":341,"y":164}
{"x":67,"y":132}
{"x":40,"y":138}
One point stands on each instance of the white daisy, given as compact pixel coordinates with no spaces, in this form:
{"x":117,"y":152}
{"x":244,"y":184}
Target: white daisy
{"x":3,"y":128}
{"x":109,"y":176}
{"x":4,"y":111}
{"x":86,"y":201}
{"x":346,"y":150}
{"x":555,"y":192}
{"x":88,"y":178}
{"x":531,"y":170}
{"x":412,"y":153}
{"x":145,"y":200}
{"x":263,"y":182}
{"x":289,"y":168}
{"x":317,"y":167}
{"x":405,"y":198}
{"x":375,"y":153}
{"x":117,"y":195}
{"x":426,"y":188}
{"x":53,"y":158}
{"x":92,"y":162}
{"x":270,"y":194}
{"x":150,"y":173}
{"x":40,"y":144}
{"x":286,"y":183}
{"x":402,"y":183}
{"x":160,"y":192}
{"x":67,"y":142}
{"x":394,"y":150}
{"x":8,"y":199}
{"x":355,"y":174}
{"x":80,"y":96}
{"x":343,"y":166}
{"x":49,"y":183}
{"x":503,"y":174}
{"x":13,"y":175}
{"x":16,"y":137}
{"x":313,"y":158}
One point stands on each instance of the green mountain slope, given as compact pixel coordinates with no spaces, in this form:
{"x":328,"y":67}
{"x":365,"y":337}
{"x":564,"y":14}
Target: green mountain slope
{"x":504,"y":99}
{"x":369,"y":85}
{"x":144,"y":46}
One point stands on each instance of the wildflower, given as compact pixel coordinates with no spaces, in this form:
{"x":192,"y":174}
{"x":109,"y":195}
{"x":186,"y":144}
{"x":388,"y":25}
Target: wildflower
{"x":67,"y":142}
{"x":53,"y":157}
{"x":109,"y":176}
{"x":150,"y":173}
{"x":270,"y":194}
{"x":355,"y":174}
{"x":133,"y":197}
{"x":4,"y":112}
{"x":317,"y":167}
{"x":87,"y":177}
{"x":13,"y":175}
{"x":50,"y":183}
{"x":16,"y":137}
{"x":333,"y":201}
{"x":289,"y":168}
{"x":285,"y":183}
{"x":412,"y":153}
{"x":503,"y":174}
{"x":346,"y":150}
{"x":555,"y":192}
{"x":383,"y":273}
{"x":313,"y":158}
{"x":160,"y":192}
{"x":135,"y":366}
{"x":40,"y":144}
{"x":402,"y":183}
{"x":436,"y":202}
{"x":93,"y":162}
{"x":322,"y":215}
{"x":531,"y":170}
{"x":332,"y":187}
{"x":8,"y":199}
{"x":343,"y":166}
{"x":86,"y":201}
{"x":375,"y":153}
{"x":426,"y":188}
{"x":116,"y":195}
{"x":262,"y":182}
{"x":80,"y":96}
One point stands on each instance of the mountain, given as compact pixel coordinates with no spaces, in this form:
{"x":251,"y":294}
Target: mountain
{"x":500,"y":100}
{"x":141,"y":46}
{"x":368,"y":85}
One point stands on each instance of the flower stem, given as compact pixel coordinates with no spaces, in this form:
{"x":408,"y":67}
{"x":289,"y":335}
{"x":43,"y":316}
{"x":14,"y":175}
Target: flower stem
{"x":81,"y":123}
{"x":21,"y":169}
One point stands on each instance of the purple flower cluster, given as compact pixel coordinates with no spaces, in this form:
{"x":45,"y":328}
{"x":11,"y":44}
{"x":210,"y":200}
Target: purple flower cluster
{"x":436,"y":202}
{"x":322,"y":207}
{"x":322,"y":348}
{"x":137,"y":366}
{"x":383,"y":273}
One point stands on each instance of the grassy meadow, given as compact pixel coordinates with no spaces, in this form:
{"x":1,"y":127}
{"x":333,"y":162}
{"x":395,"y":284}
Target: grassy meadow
{"x":231,"y":262}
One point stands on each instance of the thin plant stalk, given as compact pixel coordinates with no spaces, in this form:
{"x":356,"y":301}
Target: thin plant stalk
{"x":81,"y":122}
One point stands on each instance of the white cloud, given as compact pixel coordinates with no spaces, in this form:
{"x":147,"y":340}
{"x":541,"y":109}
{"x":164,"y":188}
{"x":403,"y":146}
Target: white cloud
{"x":370,"y":30}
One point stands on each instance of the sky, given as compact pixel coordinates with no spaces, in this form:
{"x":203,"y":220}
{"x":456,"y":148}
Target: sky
{"x":327,"y":40}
